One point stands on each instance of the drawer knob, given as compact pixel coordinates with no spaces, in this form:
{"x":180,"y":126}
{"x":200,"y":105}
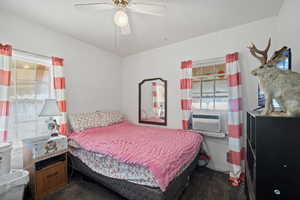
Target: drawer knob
{"x":277,"y":192}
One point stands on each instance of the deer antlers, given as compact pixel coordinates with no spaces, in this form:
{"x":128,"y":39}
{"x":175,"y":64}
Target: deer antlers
{"x":254,"y":51}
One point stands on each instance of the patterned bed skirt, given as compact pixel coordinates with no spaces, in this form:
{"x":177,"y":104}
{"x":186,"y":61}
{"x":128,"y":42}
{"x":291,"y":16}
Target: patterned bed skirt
{"x":133,"y":191}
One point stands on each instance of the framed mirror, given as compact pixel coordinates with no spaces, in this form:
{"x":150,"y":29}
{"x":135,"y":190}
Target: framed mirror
{"x":153,"y":101}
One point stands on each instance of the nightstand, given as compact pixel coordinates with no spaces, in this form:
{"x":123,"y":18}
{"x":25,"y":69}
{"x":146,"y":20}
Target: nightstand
{"x":46,"y":160}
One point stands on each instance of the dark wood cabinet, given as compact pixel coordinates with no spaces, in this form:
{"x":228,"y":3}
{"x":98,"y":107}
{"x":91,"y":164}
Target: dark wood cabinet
{"x":273,"y":157}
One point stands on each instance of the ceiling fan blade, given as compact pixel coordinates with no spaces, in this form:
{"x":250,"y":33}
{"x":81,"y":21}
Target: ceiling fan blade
{"x":156,"y":9}
{"x":95,"y":6}
{"x":126,"y":30}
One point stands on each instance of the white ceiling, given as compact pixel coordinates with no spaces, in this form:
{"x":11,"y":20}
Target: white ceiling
{"x":184,"y":19}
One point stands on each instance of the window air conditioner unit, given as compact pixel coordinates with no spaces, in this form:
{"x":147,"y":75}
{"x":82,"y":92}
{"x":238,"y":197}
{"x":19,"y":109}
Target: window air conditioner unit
{"x":207,"y":122}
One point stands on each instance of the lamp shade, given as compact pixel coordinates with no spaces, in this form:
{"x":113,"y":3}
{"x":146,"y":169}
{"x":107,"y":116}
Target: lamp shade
{"x":50,"y":109}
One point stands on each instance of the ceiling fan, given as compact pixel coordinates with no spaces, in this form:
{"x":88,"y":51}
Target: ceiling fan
{"x":122,"y":7}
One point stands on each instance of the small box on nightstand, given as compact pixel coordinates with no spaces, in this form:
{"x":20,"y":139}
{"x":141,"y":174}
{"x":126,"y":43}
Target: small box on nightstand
{"x":46,"y":160}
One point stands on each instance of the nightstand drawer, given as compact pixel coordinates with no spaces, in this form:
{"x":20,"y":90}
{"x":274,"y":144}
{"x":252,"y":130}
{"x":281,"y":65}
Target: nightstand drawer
{"x":51,"y":179}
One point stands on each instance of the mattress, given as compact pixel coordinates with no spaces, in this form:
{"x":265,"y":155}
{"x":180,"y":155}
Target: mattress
{"x":150,"y":156}
{"x":134,"y":191}
{"x":110,"y":167}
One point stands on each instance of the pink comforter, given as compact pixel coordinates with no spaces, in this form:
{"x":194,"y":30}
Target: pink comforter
{"x":162,"y":151}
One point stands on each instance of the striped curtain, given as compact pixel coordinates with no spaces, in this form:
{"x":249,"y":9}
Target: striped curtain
{"x":186,"y":92}
{"x":154,"y":98}
{"x":5,"y":77}
{"x":235,"y":121}
{"x":59,"y":87}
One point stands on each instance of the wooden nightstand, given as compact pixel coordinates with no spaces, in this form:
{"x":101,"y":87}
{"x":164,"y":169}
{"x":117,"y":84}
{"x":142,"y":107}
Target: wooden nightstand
{"x":46,"y":160}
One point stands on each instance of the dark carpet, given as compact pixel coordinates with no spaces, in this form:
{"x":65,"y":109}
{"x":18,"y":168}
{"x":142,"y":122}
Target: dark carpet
{"x":205,"y":184}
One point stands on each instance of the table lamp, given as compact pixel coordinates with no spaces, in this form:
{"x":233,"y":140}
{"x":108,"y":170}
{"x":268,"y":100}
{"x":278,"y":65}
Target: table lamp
{"x":50,"y":109}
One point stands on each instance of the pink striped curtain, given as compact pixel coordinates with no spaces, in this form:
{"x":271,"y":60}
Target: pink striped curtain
{"x":60,"y":86}
{"x":5,"y":77}
{"x":235,"y":120}
{"x":186,"y":92}
{"x":154,"y":98}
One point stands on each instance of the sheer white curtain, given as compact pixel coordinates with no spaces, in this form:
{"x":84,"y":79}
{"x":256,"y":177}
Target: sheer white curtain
{"x":31,"y":85}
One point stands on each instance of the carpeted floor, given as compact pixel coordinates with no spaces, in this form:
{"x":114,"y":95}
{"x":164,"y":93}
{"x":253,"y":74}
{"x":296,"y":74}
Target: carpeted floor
{"x":205,"y":184}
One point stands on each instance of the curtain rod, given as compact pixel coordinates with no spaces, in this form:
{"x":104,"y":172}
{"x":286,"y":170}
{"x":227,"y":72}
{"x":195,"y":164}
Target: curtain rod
{"x":30,"y":53}
{"x":208,"y":61}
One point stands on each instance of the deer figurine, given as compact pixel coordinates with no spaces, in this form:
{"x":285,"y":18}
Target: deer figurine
{"x":281,"y":85}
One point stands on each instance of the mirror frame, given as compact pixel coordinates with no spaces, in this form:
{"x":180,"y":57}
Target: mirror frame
{"x":166,"y":102}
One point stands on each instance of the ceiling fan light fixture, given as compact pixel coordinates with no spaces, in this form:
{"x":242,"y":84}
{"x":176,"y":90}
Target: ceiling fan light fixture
{"x":121,"y":18}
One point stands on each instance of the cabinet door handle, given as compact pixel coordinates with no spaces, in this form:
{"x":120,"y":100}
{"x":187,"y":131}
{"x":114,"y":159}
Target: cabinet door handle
{"x":277,"y":192}
{"x":51,"y":175}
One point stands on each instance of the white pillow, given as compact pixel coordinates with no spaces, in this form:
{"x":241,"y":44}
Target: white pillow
{"x":109,"y":118}
{"x":84,"y":120}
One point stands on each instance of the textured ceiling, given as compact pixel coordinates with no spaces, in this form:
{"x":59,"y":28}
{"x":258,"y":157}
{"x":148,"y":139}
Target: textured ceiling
{"x":183,"y":19}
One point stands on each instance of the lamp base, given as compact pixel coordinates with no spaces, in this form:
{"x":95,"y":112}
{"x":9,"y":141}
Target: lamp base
{"x":52,"y":127}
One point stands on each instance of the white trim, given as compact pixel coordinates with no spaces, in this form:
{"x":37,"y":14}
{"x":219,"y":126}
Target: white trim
{"x":30,"y":57}
{"x":218,"y":60}
{"x":210,"y":75}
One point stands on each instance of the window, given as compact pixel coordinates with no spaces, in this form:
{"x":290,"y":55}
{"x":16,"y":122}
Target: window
{"x":209,"y":88}
{"x":31,"y":85}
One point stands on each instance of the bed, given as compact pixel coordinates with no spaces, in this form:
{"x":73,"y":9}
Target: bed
{"x":138,"y":162}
